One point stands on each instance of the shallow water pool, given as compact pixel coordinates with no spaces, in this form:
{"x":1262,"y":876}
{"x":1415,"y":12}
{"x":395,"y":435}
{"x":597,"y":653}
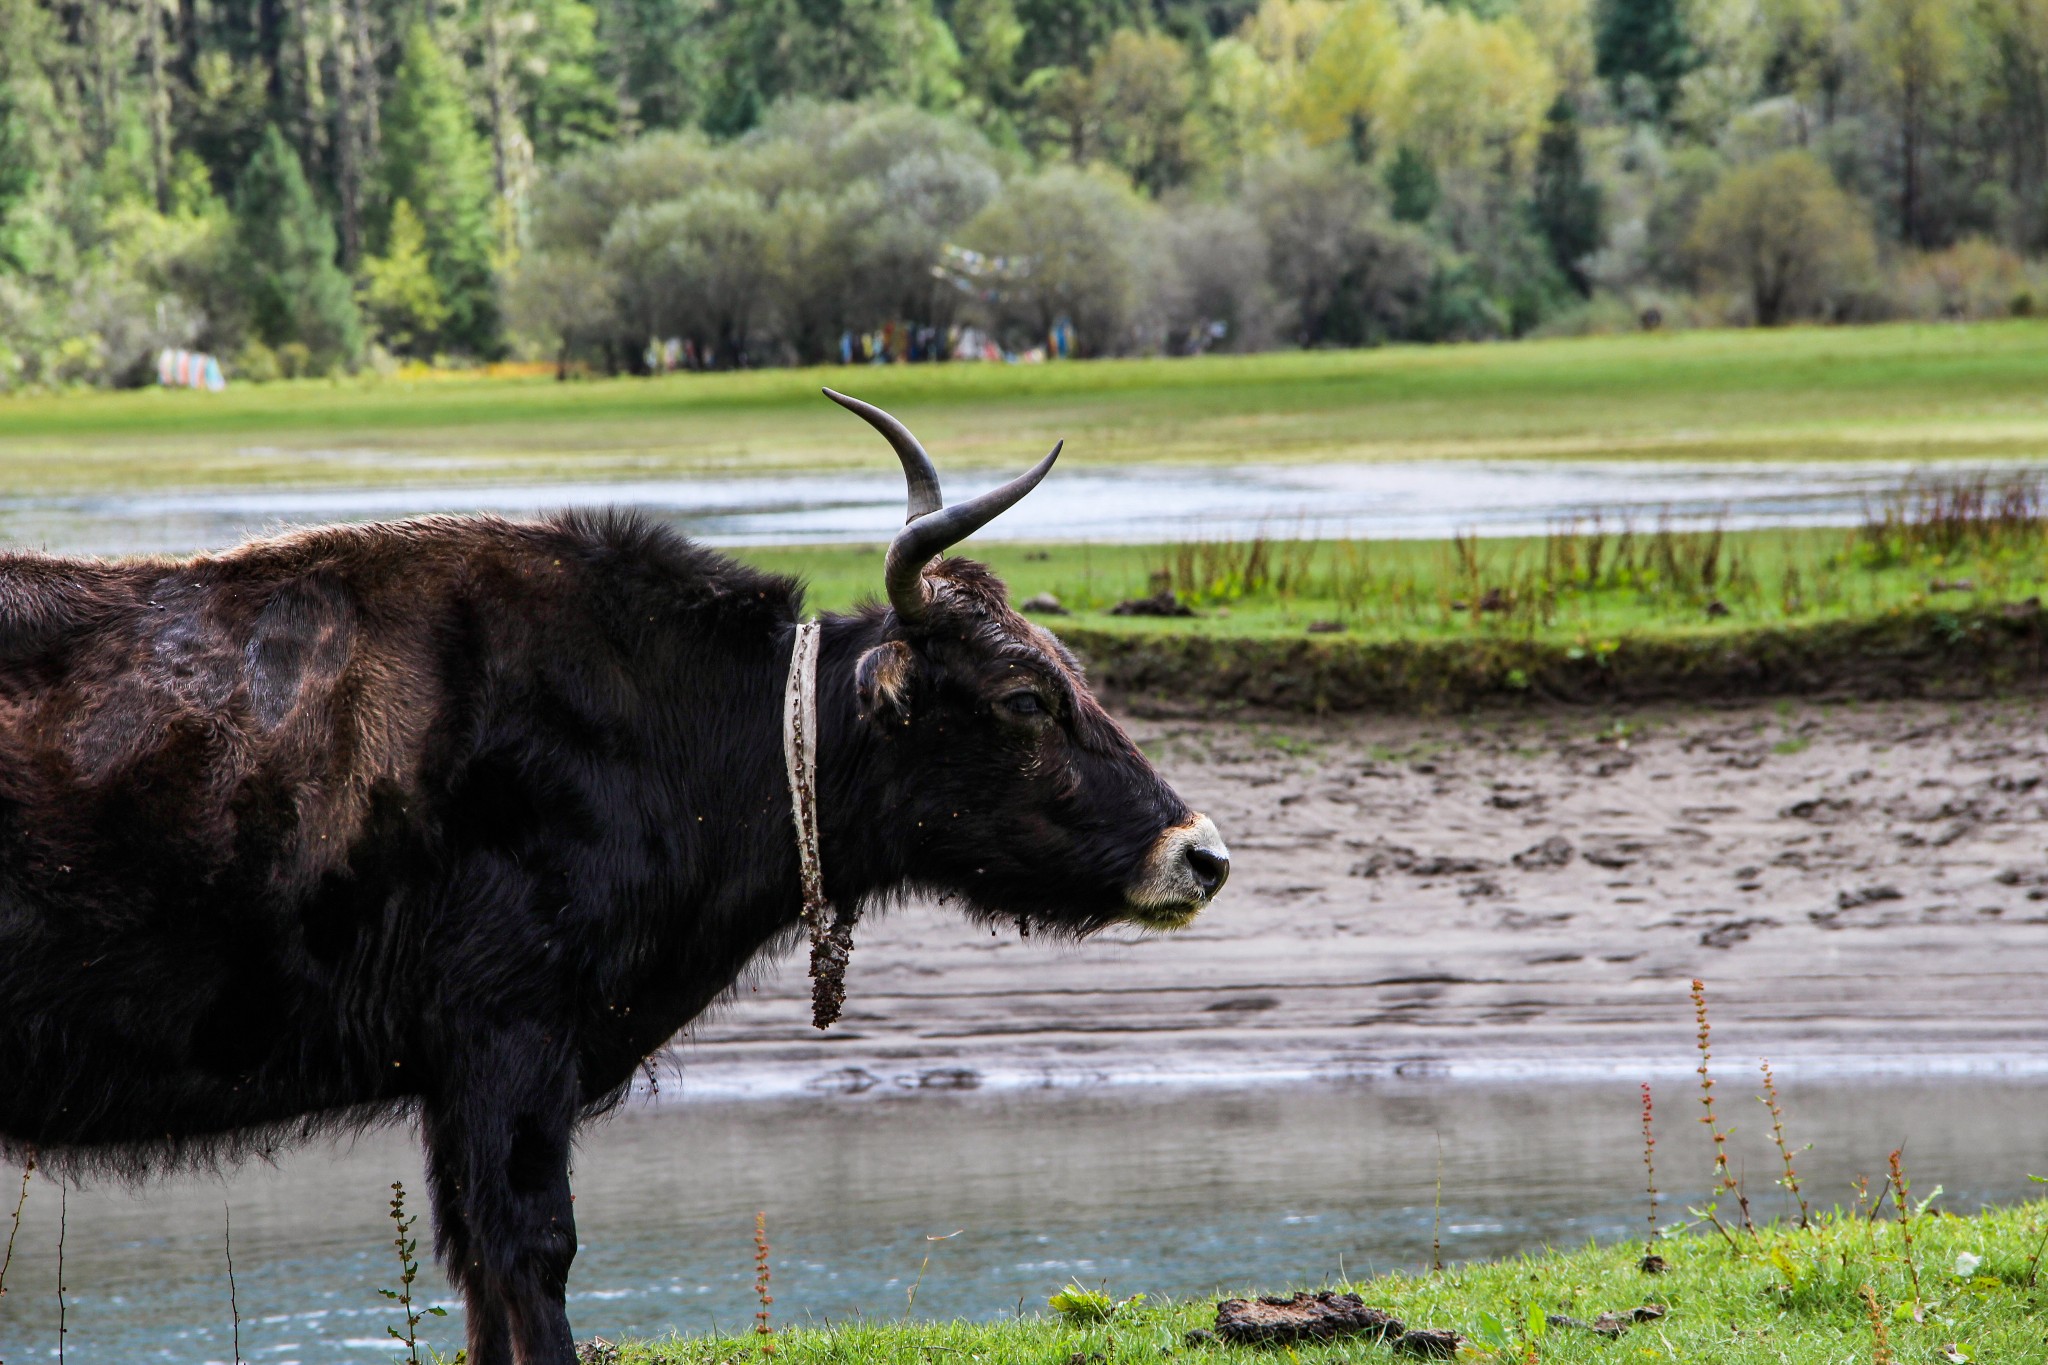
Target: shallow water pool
{"x":1149,"y":503}
{"x":1144,"y":1190}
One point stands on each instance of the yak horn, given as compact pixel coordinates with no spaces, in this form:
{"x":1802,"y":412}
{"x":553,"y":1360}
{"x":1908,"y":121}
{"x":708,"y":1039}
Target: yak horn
{"x":918,"y":470}
{"x":932,"y":527}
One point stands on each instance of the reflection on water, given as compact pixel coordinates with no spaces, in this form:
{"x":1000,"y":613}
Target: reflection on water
{"x":1165,"y":1193}
{"x":1150,"y":503}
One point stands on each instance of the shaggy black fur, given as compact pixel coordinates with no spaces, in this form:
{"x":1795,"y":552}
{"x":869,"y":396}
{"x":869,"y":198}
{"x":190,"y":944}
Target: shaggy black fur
{"x":467,"y":817}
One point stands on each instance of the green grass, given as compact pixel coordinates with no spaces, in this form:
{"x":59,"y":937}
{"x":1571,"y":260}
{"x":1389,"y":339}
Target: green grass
{"x":1783,"y":1297}
{"x":1909,"y":392}
{"x":1547,"y":589}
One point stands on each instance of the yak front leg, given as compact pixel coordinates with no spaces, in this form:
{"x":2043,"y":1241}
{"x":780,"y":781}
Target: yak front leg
{"x":498,"y":1132}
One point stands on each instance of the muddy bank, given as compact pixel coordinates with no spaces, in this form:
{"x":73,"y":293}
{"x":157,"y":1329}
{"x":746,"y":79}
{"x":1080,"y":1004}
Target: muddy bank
{"x":1931,"y":653}
{"x":1864,"y":887}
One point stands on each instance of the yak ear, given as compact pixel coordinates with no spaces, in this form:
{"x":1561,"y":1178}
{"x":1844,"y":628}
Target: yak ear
{"x":882,"y":680}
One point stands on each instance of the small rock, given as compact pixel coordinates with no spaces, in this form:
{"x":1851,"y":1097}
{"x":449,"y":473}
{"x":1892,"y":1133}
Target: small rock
{"x":1161,"y":603}
{"x":1734,"y":932}
{"x":1444,"y":865}
{"x":1952,"y":585}
{"x":1430,"y":1343}
{"x":1717,"y":608}
{"x":1045,"y":604}
{"x":1382,"y":857}
{"x":1326,"y":627}
{"x":1555,"y":851}
{"x":1611,"y":1324}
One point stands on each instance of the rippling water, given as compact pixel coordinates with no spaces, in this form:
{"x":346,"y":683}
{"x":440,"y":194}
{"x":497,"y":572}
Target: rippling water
{"x":1142,"y":503}
{"x":1149,"y":1191}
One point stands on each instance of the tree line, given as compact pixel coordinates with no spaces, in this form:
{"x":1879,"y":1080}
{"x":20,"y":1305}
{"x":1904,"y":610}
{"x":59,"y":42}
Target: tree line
{"x":311,"y":186}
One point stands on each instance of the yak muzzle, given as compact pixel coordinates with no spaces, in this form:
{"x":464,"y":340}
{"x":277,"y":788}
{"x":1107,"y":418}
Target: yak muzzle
{"x":1183,"y":873}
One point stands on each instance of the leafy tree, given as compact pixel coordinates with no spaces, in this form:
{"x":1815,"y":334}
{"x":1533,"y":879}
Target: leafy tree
{"x":1064,"y":115}
{"x":1784,"y":234}
{"x":1643,"y":44}
{"x":223,"y":113}
{"x":569,"y":104}
{"x":1802,"y":51}
{"x":1474,"y":93}
{"x":296,"y":293}
{"x":1343,"y":90}
{"x":434,"y":160}
{"x":1070,"y":32}
{"x":1219,"y":266}
{"x":2017,"y":88}
{"x":1078,"y":236}
{"x":767,"y":50}
{"x":656,"y":59}
{"x":701,"y":266}
{"x":1143,"y":91}
{"x":1915,"y":49}
{"x":564,"y":300}
{"x":1347,"y":274}
{"x":399,"y":290}
{"x":989,"y":36}
{"x":1566,"y":204}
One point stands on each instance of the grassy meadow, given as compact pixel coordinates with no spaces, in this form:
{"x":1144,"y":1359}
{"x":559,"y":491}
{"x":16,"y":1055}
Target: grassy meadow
{"x":1941,"y":1288}
{"x":1909,"y":392}
{"x":1961,"y":546}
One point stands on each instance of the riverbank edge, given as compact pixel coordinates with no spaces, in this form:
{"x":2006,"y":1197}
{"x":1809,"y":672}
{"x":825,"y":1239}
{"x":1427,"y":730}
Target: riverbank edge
{"x":1932,"y":1286}
{"x":1924,"y":654}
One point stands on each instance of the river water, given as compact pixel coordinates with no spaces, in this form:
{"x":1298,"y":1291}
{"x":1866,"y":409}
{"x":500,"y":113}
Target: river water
{"x":979,"y":1203}
{"x":1138,"y":503}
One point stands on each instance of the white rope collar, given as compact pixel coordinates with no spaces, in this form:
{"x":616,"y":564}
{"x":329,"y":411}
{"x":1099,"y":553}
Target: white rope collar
{"x":831,"y":934}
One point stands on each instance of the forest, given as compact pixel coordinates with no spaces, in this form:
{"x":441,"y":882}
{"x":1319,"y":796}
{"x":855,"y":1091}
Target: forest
{"x":319,"y":187}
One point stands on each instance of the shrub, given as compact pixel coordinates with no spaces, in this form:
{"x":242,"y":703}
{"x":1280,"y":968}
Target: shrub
{"x":1784,"y":235}
{"x":1973,"y":279}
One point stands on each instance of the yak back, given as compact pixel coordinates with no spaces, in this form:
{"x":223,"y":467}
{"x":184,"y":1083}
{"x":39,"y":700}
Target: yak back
{"x":233,"y":789}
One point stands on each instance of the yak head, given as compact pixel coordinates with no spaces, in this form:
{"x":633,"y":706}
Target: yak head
{"x":989,"y":764}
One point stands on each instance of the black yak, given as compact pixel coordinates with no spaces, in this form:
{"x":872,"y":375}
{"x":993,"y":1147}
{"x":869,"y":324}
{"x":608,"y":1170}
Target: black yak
{"x":466,"y":817}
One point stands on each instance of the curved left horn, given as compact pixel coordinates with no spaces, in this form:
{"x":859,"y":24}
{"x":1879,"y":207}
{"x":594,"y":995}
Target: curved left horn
{"x":931,"y":526}
{"x":918,"y":470}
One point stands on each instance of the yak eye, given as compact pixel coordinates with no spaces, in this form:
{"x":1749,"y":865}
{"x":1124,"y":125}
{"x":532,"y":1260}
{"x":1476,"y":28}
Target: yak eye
{"x":1023,"y":704}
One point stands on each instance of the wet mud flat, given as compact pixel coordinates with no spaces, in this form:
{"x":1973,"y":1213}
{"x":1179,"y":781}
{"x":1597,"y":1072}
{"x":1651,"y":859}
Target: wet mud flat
{"x":1864,"y":888}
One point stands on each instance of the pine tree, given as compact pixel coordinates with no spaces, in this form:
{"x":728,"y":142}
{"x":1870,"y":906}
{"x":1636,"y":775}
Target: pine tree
{"x":20,"y":175}
{"x":434,"y":160}
{"x":1412,"y":186}
{"x":654,"y":54}
{"x":1642,"y":41}
{"x":295,"y":291}
{"x":1567,"y":205}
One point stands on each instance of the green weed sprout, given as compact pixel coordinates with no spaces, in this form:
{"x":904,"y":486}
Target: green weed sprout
{"x":1078,"y":1305}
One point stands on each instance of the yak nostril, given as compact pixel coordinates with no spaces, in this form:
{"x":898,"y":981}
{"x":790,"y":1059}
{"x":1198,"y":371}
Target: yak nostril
{"x":1211,"y":868}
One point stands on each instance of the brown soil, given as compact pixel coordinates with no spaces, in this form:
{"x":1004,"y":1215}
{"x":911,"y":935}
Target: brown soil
{"x":1863,"y":886}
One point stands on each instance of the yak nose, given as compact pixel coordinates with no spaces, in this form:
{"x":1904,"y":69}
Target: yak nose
{"x":1211,"y":866}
